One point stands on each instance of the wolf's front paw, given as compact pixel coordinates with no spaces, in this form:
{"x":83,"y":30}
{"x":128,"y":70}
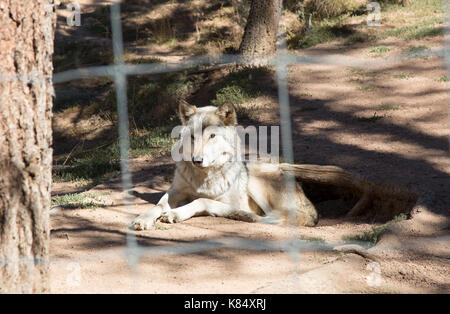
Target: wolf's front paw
{"x":170,"y":217}
{"x":142,"y":223}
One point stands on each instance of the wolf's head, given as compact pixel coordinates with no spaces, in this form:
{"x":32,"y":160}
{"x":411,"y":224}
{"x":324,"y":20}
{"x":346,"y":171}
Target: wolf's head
{"x":209,"y":138}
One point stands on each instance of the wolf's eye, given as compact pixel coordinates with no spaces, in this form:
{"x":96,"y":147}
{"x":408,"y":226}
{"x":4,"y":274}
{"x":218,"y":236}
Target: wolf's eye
{"x":212,"y":135}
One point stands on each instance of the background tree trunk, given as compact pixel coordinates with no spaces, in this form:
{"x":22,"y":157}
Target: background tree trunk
{"x":260,"y":34}
{"x":26,"y":91}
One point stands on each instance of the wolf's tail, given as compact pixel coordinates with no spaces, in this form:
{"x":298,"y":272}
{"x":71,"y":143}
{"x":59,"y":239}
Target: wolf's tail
{"x":384,"y":200}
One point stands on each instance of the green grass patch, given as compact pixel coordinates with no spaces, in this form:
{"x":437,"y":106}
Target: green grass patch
{"x":161,"y":227}
{"x":140,"y":59}
{"x":152,"y":107}
{"x":379,"y":51}
{"x":417,"y":49}
{"x":419,"y":52}
{"x":236,"y":94}
{"x":386,"y":107}
{"x":428,"y":31}
{"x":314,"y":239}
{"x":151,"y":102}
{"x":95,"y":165}
{"x":88,"y":170}
{"x":323,"y":9}
{"x":156,"y":141}
{"x":326,"y":31}
{"x":426,"y":27}
{"x":403,"y":76}
{"x":76,"y":54}
{"x":425,"y":8}
{"x":318,"y":36}
{"x":371,"y":237}
{"x":357,"y":37}
{"x":421,"y":19}
{"x":363,"y":79}
{"x":367,"y":88}
{"x":84,"y":200}
{"x":243,"y":85}
{"x":444,"y":78}
{"x":413,"y":32}
{"x":356,"y":70}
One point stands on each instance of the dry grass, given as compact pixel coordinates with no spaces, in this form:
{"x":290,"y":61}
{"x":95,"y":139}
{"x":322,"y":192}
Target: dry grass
{"x":325,"y":9}
{"x":345,"y":21}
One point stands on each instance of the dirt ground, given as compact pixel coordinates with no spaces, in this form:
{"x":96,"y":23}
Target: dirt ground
{"x":389,"y":123}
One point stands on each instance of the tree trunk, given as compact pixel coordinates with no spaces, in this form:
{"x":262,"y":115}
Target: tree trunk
{"x":260,"y":35}
{"x":26,"y":91}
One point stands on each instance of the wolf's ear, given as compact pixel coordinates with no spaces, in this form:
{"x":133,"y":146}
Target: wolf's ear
{"x":186,"y":111}
{"x":227,"y":113}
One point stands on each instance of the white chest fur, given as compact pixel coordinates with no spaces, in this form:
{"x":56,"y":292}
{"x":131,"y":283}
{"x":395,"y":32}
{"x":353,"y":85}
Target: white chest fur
{"x":215,"y":183}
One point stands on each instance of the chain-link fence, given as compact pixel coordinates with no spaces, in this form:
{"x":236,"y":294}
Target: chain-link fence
{"x":120,"y":71}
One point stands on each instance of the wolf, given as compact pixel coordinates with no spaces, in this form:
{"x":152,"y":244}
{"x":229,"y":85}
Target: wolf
{"x":213,"y":179}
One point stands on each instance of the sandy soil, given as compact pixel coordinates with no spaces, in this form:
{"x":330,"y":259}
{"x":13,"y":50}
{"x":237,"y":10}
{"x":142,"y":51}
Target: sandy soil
{"x":331,"y":107}
{"x":407,"y":146}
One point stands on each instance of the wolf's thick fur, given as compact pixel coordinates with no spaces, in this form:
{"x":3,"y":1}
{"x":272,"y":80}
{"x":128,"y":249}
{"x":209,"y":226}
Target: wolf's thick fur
{"x":215,"y":181}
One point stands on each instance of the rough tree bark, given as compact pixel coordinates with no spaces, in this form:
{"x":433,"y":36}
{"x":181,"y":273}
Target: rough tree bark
{"x":260,"y":34}
{"x":26,"y":91}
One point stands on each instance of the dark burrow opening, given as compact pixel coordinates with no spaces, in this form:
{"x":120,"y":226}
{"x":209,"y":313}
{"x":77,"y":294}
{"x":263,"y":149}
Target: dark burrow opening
{"x":382,"y":204}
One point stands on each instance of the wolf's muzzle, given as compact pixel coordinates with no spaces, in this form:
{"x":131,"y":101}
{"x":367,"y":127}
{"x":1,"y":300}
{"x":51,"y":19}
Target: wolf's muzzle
{"x":196,"y":160}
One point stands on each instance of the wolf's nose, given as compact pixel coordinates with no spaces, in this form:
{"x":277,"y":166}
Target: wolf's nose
{"x":197,"y":160}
